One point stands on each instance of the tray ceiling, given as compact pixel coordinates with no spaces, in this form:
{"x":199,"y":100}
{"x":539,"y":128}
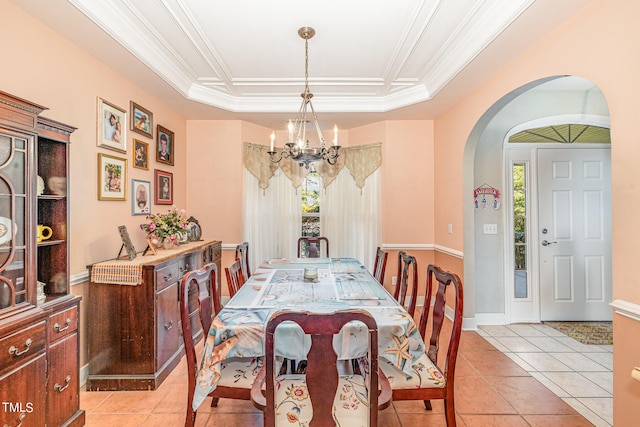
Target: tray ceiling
{"x":374,"y":57}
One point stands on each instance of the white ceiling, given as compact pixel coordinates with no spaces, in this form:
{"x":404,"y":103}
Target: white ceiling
{"x":369,"y":60}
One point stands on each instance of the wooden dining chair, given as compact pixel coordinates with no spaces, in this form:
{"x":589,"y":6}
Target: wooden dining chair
{"x":235,"y":278}
{"x":242,"y":252}
{"x":406,"y":279}
{"x":433,"y":379}
{"x":199,"y":304}
{"x":380,"y":265}
{"x":312,"y":247}
{"x":321,"y":394}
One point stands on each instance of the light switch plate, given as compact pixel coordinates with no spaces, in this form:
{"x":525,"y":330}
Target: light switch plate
{"x":490,"y":228}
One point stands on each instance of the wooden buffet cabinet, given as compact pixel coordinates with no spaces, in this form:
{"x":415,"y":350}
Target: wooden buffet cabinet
{"x":39,"y":351}
{"x":135,"y":337}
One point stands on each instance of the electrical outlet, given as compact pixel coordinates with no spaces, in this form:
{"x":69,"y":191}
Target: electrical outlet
{"x":394,"y":280}
{"x":450,"y":228}
{"x":490,"y":228}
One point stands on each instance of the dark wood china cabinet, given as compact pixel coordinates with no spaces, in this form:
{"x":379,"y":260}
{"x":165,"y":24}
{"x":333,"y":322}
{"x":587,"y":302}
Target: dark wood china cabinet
{"x":39,"y":317}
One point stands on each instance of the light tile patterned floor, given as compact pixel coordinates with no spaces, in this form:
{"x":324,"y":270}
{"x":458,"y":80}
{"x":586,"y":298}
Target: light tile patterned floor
{"x":580,"y":374}
{"x":492,"y":389}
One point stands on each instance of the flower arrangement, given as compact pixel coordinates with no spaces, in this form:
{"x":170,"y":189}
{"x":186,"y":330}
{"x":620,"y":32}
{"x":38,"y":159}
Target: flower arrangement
{"x":170,"y":227}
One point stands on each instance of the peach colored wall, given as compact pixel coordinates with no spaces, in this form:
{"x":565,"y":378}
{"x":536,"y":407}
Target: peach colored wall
{"x":594,"y":44}
{"x":214,"y":171}
{"x":407,"y":178}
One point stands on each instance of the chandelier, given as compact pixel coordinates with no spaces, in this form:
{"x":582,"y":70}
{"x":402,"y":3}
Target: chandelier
{"x":298,"y":147}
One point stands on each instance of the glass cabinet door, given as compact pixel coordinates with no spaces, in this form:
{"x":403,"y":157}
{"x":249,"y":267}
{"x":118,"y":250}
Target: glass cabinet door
{"x":14,"y":191}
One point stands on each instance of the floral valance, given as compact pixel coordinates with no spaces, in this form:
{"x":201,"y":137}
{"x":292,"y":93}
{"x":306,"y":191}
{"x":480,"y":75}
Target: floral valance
{"x":361,"y":161}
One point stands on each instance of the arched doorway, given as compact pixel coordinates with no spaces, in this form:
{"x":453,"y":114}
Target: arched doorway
{"x":489,"y":257}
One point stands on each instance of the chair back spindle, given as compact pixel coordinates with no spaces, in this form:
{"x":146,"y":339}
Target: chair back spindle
{"x":235,"y":279}
{"x":380,"y":265}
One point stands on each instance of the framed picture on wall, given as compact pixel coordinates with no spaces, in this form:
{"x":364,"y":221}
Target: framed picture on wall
{"x":112,"y":126}
{"x":164,"y":187}
{"x":140,"y":154}
{"x":165,"y":145}
{"x":141,"y":120}
{"x":112,"y":177}
{"x":141,"y":200}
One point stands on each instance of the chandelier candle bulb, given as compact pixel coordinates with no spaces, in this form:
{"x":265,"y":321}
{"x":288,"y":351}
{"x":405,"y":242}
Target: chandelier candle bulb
{"x":273,"y":138}
{"x":335,"y":134}
{"x":290,"y":128}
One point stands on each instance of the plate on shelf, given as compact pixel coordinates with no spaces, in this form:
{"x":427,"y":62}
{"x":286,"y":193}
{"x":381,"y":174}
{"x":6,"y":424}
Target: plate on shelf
{"x":5,"y":229}
{"x":40,"y":186}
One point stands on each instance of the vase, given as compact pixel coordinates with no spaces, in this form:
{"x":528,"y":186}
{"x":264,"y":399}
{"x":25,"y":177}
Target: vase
{"x":168,"y":244}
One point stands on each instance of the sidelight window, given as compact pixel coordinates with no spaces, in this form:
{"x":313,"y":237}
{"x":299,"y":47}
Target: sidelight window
{"x":520,"y":226}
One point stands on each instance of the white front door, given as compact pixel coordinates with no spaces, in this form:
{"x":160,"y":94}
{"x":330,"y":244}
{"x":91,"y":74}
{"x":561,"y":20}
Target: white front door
{"x":574,"y":233}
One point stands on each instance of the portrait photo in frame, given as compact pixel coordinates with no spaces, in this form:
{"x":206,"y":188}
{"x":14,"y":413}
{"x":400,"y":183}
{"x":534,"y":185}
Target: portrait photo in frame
{"x":165,"y":145}
{"x":126,"y":244}
{"x":141,"y":197}
{"x":141,"y":120}
{"x":112,"y":177}
{"x":112,"y":126}
{"x":140,"y":154}
{"x":163,"y":187}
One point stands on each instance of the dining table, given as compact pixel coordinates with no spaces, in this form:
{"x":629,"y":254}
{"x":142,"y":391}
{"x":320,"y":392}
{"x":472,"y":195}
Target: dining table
{"x":313,"y":285}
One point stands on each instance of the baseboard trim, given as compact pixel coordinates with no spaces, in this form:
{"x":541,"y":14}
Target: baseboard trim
{"x":84,"y":374}
{"x":491,"y":319}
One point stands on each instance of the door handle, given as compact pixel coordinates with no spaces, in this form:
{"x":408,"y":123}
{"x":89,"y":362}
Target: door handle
{"x":546,"y":243}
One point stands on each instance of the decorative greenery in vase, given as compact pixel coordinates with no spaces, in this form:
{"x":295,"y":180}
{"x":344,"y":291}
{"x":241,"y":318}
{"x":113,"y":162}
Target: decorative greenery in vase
{"x":170,"y":228}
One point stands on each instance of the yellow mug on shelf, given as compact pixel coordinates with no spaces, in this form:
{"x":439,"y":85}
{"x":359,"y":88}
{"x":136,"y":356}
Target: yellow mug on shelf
{"x":44,"y":233}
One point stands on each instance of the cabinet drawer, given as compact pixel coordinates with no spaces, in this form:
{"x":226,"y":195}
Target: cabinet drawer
{"x":63,"y":323}
{"x":167,"y":275}
{"x":168,"y":326}
{"x":17,"y":348}
{"x":188,"y":263}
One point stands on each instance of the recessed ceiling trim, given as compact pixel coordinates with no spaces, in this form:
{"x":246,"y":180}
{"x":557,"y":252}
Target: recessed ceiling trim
{"x":464,"y":46}
{"x":409,"y":40}
{"x":353,"y":104}
{"x":190,"y":63}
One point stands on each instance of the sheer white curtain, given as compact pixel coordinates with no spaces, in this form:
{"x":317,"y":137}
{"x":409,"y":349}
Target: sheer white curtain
{"x":351,"y":218}
{"x":271,"y":218}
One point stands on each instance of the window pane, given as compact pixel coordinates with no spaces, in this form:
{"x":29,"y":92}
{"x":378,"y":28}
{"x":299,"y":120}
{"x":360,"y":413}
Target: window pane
{"x":521,"y":288}
{"x":521,"y":284}
{"x":519,"y":230}
{"x":311,"y":226}
{"x":521,"y":257}
{"x":311,"y":193}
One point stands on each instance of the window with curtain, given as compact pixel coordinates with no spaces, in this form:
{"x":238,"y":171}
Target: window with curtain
{"x":350,"y":216}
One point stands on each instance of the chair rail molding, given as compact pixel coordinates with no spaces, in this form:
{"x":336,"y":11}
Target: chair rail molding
{"x":422,"y":247}
{"x":626,"y":309}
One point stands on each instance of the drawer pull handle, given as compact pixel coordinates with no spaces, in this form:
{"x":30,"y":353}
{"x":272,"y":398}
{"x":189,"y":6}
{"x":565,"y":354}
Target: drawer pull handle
{"x":20,"y":419}
{"x":168,"y":277}
{"x":60,"y":388}
{"x":58,"y":328}
{"x":168,"y":326}
{"x":14,"y":350}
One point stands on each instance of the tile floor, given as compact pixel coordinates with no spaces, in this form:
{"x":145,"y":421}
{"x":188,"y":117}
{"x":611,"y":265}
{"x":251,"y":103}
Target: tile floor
{"x":532,"y":377}
{"x":581,"y":375}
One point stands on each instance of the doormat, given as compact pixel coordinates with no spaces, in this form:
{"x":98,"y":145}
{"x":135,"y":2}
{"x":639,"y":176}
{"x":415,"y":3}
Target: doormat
{"x":586,"y":332}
